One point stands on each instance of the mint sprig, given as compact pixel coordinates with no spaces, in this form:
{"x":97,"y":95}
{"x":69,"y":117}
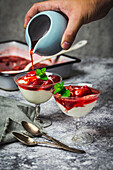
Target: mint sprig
{"x":59,"y":88}
{"x":41,"y":73}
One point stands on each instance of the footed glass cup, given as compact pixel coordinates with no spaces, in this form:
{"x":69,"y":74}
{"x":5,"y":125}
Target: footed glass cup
{"x":37,"y":94}
{"x":77,"y":107}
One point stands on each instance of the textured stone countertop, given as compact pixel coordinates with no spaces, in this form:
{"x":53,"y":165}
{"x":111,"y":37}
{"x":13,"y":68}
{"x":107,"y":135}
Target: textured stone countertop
{"x":99,"y":154}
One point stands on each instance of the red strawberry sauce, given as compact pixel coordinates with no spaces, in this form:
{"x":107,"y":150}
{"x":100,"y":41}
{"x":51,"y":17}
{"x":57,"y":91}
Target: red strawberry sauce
{"x":32,"y":82}
{"x":80,"y":96}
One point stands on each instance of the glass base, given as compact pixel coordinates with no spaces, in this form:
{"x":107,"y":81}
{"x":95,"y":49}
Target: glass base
{"x":44,"y":122}
{"x":79,"y":139}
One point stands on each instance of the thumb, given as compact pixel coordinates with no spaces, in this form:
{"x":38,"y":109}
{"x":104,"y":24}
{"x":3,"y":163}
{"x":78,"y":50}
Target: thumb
{"x":69,"y":35}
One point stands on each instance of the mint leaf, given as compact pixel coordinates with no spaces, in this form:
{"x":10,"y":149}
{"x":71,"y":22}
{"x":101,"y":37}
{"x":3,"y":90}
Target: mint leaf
{"x":57,"y":85}
{"x":38,"y":71}
{"x":41,"y":73}
{"x":44,"y":77}
{"x":66,"y":93}
{"x":59,"y":88}
{"x":43,"y":70}
{"x":62,"y":84}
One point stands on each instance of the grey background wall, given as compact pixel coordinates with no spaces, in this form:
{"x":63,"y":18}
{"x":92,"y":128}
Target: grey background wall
{"x":99,"y":34}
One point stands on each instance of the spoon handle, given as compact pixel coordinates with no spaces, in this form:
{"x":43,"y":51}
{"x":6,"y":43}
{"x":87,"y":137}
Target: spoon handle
{"x":62,"y":145}
{"x":74,"y":47}
{"x":67,"y":148}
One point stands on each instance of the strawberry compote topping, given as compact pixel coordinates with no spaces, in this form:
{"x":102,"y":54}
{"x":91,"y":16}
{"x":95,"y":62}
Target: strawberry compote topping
{"x":12,"y":62}
{"x":79,"y":96}
{"x":33,"y":82}
{"x":16,"y":63}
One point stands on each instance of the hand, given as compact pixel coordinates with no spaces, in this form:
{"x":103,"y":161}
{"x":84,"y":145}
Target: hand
{"x":79,"y":12}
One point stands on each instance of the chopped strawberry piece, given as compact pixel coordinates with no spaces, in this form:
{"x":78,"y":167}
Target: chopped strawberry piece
{"x":87,"y":89}
{"x":47,"y":82}
{"x":47,"y":85}
{"x":5,"y":59}
{"x":32,"y":87}
{"x":70,"y":88}
{"x":37,"y":82}
{"x":31,"y":74}
{"x":55,"y":79}
{"x":80,"y":92}
{"x":72,"y":94}
{"x":16,"y":68}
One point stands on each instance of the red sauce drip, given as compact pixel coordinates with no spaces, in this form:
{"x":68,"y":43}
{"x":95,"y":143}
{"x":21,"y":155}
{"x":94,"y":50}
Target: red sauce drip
{"x":31,"y":54}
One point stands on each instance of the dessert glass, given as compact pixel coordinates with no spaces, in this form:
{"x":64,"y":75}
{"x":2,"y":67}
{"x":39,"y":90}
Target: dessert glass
{"x":77,"y":107}
{"x":37,"y":94}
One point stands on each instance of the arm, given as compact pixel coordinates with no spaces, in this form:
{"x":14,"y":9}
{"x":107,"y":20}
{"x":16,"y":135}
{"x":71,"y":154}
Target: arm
{"x":79,"y":12}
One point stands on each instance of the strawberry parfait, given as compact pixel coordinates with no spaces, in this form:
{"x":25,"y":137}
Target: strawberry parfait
{"x":35,"y":85}
{"x":75,"y":100}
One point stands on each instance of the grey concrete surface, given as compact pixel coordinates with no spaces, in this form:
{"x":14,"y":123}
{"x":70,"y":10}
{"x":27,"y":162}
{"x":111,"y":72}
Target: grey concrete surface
{"x":99,"y":34}
{"x":99,"y":122}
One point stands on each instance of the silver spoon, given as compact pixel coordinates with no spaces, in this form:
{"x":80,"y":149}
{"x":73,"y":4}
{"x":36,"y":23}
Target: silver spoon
{"x":33,"y":130}
{"x":74,"y":47}
{"x":31,"y":142}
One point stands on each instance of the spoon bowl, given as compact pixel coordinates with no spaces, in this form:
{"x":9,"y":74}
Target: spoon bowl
{"x":28,"y":140}
{"x":24,"y":139}
{"x":32,"y":129}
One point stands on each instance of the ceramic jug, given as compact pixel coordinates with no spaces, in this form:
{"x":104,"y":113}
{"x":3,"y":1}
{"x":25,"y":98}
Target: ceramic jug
{"x":44,"y":32}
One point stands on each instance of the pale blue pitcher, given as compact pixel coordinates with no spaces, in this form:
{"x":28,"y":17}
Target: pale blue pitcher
{"x":46,"y":30}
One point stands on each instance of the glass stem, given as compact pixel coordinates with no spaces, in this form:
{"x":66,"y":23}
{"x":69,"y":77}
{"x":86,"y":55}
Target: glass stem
{"x":77,"y":125}
{"x":37,"y":106}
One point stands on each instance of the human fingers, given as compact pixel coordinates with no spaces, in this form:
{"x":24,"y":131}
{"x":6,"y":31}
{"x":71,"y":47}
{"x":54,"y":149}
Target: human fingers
{"x":69,"y":35}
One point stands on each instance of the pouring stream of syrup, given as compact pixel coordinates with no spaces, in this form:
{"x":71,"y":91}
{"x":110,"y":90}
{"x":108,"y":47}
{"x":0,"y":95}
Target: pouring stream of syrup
{"x":31,"y":54}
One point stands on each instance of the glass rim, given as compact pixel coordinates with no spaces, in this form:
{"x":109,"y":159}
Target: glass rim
{"x":77,"y":98}
{"x":29,"y":85}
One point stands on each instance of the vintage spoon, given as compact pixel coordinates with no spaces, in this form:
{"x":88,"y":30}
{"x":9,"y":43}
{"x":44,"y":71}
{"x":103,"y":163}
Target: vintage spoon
{"x":74,"y":47}
{"x":33,"y":130}
{"x":31,"y":142}
{"x":28,"y":140}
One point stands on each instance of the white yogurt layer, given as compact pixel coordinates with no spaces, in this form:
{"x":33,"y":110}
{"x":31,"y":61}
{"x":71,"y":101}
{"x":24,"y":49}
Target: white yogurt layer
{"x":36,"y":97}
{"x":77,"y":112}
